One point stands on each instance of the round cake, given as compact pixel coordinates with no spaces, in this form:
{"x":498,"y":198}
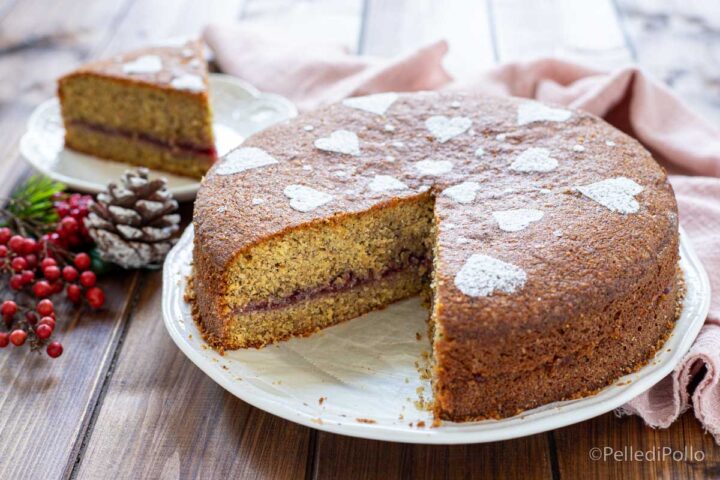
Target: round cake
{"x":545,"y":241}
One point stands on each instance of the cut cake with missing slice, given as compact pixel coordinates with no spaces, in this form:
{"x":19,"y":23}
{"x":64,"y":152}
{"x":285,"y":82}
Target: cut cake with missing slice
{"x":148,"y":107}
{"x":547,"y":238}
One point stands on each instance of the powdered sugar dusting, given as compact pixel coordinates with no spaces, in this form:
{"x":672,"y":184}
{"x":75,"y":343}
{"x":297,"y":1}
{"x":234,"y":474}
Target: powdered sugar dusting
{"x":534,"y":160}
{"x":479,"y":152}
{"x":384,"y":183}
{"x":615,"y":194}
{"x":243,"y":159}
{"x":434,"y":167}
{"x":306,"y":199}
{"x":444,"y":128}
{"x":530,"y":112}
{"x":257,"y":201}
{"x":340,"y":141}
{"x":482,"y":275}
{"x":193,"y":83}
{"x":143,"y":65}
{"x":578,"y":148}
{"x":517,"y":219}
{"x":462,"y":193}
{"x":378,"y":103}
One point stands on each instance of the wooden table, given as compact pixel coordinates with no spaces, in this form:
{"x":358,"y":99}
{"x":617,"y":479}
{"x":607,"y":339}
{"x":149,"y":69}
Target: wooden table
{"x":124,"y":402}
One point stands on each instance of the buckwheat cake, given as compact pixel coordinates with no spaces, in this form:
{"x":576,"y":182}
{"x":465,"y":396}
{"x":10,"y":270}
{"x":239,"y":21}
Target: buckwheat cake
{"x":546,"y":241}
{"x":148,"y":107}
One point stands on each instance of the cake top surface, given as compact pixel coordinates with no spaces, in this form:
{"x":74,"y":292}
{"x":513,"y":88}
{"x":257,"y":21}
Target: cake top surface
{"x":532,"y":202}
{"x":178,"y":65}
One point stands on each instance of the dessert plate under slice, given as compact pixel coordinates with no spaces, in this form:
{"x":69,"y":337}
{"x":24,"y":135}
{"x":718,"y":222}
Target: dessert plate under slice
{"x":239,"y":110}
{"x":360,"y":378}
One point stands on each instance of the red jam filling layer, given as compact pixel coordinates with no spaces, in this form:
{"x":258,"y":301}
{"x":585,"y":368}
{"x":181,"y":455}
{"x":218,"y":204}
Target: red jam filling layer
{"x":184,"y":146}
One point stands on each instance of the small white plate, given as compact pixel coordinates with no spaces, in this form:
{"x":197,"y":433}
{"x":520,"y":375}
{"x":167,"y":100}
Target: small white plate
{"x":364,"y":369}
{"x":239,"y":110}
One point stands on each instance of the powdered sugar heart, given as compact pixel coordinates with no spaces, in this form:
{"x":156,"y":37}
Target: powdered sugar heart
{"x":462,"y":193}
{"x":143,"y":64}
{"x":516,"y":220}
{"x":306,"y":199}
{"x":340,"y":141}
{"x":384,"y":183}
{"x":434,"y":167}
{"x":615,"y":194}
{"x":530,"y":112}
{"x":377,"y":103}
{"x":244,"y":158}
{"x":534,"y":160}
{"x":444,"y":128}
{"x":193,"y":83}
{"x":482,"y":275}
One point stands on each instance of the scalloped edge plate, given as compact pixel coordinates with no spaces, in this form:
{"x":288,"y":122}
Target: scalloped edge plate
{"x":280,"y":392}
{"x":239,"y":110}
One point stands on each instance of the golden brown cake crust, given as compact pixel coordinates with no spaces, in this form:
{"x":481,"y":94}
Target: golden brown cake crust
{"x":592,"y":274}
{"x":177,"y":59}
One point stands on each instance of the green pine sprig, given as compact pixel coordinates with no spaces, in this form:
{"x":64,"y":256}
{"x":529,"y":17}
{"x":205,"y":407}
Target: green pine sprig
{"x":30,"y":210}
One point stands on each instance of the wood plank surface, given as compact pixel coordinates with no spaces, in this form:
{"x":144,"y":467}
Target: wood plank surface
{"x":35,"y":50}
{"x":393,"y":28}
{"x":49,"y":404}
{"x":592,"y":33}
{"x":351,"y":458}
{"x":53,"y":401}
{"x":176,"y":421}
{"x":574,"y":445}
{"x":124,"y":402}
{"x":161,"y":417}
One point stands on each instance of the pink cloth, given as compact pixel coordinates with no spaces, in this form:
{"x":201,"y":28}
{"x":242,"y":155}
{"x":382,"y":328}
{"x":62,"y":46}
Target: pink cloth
{"x":315,"y":74}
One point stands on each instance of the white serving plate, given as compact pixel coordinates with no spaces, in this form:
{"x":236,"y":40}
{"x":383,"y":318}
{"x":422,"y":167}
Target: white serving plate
{"x":239,"y":110}
{"x":364,"y":369}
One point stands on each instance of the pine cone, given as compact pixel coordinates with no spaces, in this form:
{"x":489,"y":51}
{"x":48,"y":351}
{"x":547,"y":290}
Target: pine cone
{"x":134,"y":224}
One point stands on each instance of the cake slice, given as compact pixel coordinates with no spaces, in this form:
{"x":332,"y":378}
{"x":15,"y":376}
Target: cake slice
{"x":148,"y":107}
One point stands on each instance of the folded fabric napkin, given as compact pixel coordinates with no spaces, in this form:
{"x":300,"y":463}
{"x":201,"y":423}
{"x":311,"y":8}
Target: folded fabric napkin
{"x":313,"y":74}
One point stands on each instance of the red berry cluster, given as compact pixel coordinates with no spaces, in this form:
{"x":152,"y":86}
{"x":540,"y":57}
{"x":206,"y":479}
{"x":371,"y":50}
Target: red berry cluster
{"x":71,"y":231}
{"x":42,"y":268}
{"x":40,"y":330}
{"x":20,"y":256}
